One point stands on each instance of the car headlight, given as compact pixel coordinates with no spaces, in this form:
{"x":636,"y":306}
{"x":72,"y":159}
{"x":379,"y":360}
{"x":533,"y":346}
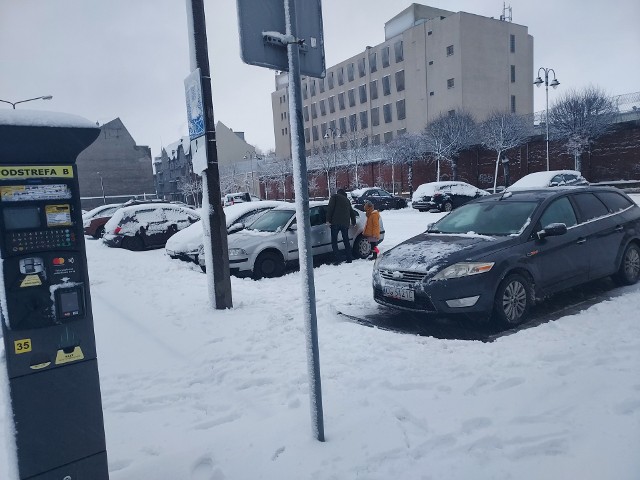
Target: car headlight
{"x":464,"y":269}
{"x":237,"y":252}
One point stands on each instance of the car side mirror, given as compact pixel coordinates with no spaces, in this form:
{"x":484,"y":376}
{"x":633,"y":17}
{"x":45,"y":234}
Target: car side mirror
{"x":552,"y":230}
{"x":236,"y":227}
{"x":293,"y":227}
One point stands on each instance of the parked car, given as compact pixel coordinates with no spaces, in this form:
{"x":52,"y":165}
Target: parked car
{"x":186,"y":244}
{"x":268,"y":245}
{"x":501,"y":253}
{"x":444,"y":196}
{"x":149,"y":225}
{"x":94,"y":220}
{"x":380,"y":198}
{"x":553,"y":178}
{"x":238,"y":197}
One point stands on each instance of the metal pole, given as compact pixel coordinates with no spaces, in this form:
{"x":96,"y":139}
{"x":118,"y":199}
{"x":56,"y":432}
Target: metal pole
{"x":304,"y":225}
{"x":546,"y":87}
{"x":104,"y":198}
{"x":215,"y":230}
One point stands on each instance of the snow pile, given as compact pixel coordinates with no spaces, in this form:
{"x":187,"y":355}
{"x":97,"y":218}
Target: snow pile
{"x":40,"y":118}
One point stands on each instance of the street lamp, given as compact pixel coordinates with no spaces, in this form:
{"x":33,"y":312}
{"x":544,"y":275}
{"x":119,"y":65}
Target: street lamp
{"x":251,"y":155}
{"x":104,"y":198}
{"x":333,"y":134}
{"x":554,"y":83}
{"x":13,"y":104}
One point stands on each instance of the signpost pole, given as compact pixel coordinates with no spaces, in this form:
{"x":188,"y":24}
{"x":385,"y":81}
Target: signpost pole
{"x":301,"y":188}
{"x":215,"y":229}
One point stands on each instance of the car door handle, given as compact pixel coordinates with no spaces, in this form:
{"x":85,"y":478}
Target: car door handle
{"x":581,"y":240}
{"x":619,"y":228}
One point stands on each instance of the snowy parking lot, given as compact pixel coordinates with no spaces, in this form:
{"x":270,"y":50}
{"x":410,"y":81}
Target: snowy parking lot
{"x":192,"y":393}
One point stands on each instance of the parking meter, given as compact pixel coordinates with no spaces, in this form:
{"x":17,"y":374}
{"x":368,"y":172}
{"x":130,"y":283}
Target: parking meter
{"x":47,"y":324}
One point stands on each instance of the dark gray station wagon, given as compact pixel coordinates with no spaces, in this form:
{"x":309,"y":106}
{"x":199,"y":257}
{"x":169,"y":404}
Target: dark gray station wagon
{"x":499,"y":254}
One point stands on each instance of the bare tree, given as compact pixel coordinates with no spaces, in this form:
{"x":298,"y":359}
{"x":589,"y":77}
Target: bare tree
{"x":325,"y":159}
{"x":447,"y":135}
{"x":356,"y":154}
{"x":405,"y":149}
{"x":191,"y":187}
{"x":502,"y":131}
{"x":579,"y":117}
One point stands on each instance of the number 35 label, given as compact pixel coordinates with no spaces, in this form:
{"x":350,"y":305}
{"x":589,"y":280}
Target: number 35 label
{"x":22,"y":346}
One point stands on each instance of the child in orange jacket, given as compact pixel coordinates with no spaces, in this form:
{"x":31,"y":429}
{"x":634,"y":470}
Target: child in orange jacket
{"x":372,"y":228}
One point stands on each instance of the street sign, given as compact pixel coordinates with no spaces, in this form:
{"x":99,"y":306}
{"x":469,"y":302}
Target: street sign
{"x":262,"y":27}
{"x":195,"y":109}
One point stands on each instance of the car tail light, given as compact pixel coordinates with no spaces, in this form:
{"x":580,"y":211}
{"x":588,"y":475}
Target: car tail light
{"x":437,"y":194}
{"x":117,"y":230}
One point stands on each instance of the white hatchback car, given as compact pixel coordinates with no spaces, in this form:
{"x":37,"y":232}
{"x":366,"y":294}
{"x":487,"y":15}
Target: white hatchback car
{"x":268,"y":245}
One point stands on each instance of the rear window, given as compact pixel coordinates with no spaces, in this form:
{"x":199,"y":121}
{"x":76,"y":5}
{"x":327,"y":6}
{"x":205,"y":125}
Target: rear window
{"x":614,"y":201}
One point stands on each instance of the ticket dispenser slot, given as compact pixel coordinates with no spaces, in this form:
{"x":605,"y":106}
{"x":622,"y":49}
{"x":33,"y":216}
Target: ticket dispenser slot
{"x":47,"y":319}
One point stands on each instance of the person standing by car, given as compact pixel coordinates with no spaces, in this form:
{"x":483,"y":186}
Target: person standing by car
{"x":339,"y":216}
{"x":372,"y":228}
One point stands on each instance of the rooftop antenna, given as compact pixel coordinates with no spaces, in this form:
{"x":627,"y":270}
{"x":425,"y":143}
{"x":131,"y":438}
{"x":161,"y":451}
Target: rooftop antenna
{"x":506,"y":17}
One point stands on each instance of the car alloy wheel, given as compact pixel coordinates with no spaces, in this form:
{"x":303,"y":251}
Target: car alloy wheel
{"x":512,"y":300}
{"x":629,"y":271}
{"x":361,"y":247}
{"x":99,"y":232}
{"x":447,"y":207}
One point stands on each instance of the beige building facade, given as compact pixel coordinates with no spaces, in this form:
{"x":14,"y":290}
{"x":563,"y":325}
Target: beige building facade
{"x":432,"y":61}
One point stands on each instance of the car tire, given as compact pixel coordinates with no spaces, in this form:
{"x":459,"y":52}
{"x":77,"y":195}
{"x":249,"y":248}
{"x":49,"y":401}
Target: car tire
{"x":447,"y":206}
{"x":99,"y":233}
{"x":422,"y":209}
{"x":629,"y":271}
{"x":135,"y":243}
{"x":512,"y":301}
{"x":268,"y":265}
{"x":361,"y":247}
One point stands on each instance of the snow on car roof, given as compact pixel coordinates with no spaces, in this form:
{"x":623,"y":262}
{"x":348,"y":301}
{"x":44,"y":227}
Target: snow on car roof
{"x":540,"y":179}
{"x":456,"y":187}
{"x":358,"y":192}
{"x":233,"y":212}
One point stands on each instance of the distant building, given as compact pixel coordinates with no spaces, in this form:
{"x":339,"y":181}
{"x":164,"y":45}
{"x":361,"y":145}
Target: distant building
{"x":174,"y":168}
{"x":114,"y":161}
{"x":431,"y":61}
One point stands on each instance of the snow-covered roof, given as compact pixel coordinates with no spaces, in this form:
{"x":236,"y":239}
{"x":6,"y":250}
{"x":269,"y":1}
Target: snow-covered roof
{"x":41,"y":118}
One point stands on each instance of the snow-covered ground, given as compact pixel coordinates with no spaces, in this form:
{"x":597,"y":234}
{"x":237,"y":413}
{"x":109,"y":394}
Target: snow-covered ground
{"x":195,"y":394}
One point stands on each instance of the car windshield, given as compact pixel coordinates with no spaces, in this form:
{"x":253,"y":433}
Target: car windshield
{"x":272,"y":221}
{"x":487,"y":218}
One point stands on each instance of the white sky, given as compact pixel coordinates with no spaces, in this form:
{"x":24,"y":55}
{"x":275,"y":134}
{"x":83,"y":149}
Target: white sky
{"x":128,"y":59}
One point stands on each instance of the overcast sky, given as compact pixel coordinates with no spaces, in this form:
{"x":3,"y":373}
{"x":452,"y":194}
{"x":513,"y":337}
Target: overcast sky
{"x":104,"y":59}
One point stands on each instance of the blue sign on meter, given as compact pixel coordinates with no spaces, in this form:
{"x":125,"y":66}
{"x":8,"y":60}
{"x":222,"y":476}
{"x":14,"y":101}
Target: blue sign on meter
{"x":195,"y":104}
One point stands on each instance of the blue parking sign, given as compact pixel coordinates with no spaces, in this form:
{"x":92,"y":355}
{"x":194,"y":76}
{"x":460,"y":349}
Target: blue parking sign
{"x":195,"y":105}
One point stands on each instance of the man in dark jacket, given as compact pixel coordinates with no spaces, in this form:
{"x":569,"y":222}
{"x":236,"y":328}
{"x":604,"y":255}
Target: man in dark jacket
{"x":339,"y":216}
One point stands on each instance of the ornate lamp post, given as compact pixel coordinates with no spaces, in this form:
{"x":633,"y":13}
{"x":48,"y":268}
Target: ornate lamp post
{"x":554,"y":83}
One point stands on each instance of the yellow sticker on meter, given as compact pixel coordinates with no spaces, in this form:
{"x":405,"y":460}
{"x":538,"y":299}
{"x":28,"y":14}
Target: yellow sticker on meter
{"x":36,"y":171}
{"x":31,"y":281}
{"x":72,"y":356}
{"x":22,"y":346}
{"x":58,"y":215}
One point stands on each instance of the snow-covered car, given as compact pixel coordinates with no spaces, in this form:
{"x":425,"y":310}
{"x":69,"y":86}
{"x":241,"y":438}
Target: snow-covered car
{"x":238,"y":197}
{"x":552,"y":178}
{"x":186,"y":244}
{"x":268,"y":245}
{"x":501,"y":253}
{"x":381,"y":199}
{"x":94,"y":220}
{"x":147,"y":226}
{"x":444,"y":196}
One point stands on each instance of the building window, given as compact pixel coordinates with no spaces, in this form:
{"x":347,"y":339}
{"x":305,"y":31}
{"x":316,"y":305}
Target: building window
{"x":388,"y":136}
{"x":307,"y":139}
{"x":314,"y":110}
{"x":341,"y":76}
{"x":362,"y":71}
{"x":513,"y":74}
{"x":362,"y":90}
{"x":513,"y":104}
{"x":323,"y":108}
{"x":512,"y":43}
{"x":332,"y":125}
{"x":285,"y":115}
{"x":353,"y":122}
{"x":330,"y":80}
{"x":364,"y":142}
{"x":431,"y":94}
{"x":376,"y":139}
{"x":305,"y":113}
{"x":386,"y":85}
{"x":449,"y":50}
{"x":373,"y":89}
{"x":399,"y":51}
{"x":321,"y":85}
{"x":323,"y":129}
{"x":401,"y":132}
{"x":430,"y":62}
{"x":314,"y":131}
{"x":352,"y":97}
{"x":375,"y":116}
{"x":373,"y":65}
{"x":343,"y":125}
{"x":313,"y":88}
{"x":385,"y":56}
{"x":332,"y":104}
{"x":450,"y":83}
{"x":401,"y":112}
{"x":305,"y":91}
{"x":451,"y":113}
{"x":364,"y":120}
{"x":429,"y":32}
{"x":341,"y":100}
{"x":350,"y":74}
{"x":400,"y":81}
{"x":386,"y":111}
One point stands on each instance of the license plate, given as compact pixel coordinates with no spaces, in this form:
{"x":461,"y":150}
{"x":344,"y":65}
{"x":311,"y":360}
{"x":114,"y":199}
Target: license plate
{"x":400,"y":293}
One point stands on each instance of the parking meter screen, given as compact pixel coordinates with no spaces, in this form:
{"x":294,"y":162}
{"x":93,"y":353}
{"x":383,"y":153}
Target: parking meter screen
{"x":21,"y":218}
{"x":70,"y":303}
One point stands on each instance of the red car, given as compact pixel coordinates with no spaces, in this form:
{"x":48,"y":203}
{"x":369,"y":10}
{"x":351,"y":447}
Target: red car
{"x":94,"y":220}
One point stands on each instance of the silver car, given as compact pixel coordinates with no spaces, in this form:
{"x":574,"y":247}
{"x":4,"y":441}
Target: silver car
{"x":267,"y":246}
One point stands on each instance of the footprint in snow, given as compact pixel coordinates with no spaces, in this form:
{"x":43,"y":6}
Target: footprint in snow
{"x":204,"y":469}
